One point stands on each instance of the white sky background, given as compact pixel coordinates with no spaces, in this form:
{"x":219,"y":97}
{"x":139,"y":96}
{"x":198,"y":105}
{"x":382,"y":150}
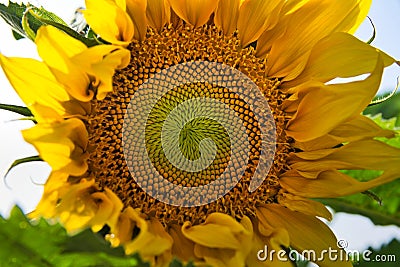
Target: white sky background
{"x":23,"y":186}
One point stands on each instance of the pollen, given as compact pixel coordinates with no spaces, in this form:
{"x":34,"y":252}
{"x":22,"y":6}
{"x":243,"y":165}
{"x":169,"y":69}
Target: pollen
{"x":108,"y":164}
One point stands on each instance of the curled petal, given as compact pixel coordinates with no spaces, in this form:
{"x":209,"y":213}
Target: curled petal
{"x":109,"y":209}
{"x":52,"y":189}
{"x":117,"y":28}
{"x":151,"y":232}
{"x":317,"y":170}
{"x":51,"y":44}
{"x":82,"y":205}
{"x":262,"y":244}
{"x":61,"y":144}
{"x":221,"y":240}
{"x":205,"y":234}
{"x":100,"y":63}
{"x":82,"y":68}
{"x":182,"y":247}
{"x":363,"y":154}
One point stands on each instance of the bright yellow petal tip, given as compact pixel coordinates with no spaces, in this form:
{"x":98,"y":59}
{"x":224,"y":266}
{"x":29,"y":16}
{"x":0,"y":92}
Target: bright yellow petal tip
{"x":121,"y":29}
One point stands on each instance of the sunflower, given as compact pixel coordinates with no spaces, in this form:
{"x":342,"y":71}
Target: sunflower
{"x":88,"y":101}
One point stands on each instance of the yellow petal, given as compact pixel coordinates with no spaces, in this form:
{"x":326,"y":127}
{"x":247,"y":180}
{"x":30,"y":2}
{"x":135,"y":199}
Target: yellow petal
{"x":355,"y":129}
{"x":182,"y":247}
{"x":269,"y":238}
{"x":45,"y":114}
{"x":216,"y":257}
{"x":55,"y":181}
{"x":105,"y":211}
{"x":51,"y":44}
{"x":275,"y":240}
{"x":37,"y":85}
{"x":304,"y":205}
{"x":226,"y":15}
{"x":305,"y":26}
{"x":108,"y":211}
{"x":110,"y":21}
{"x":356,"y":16}
{"x":212,"y":249}
{"x":218,"y":231}
{"x":255,"y":17}
{"x":100,"y":63}
{"x":123,"y":232}
{"x":136,"y":9}
{"x":76,"y":208}
{"x":151,"y":233}
{"x":267,"y":39}
{"x":305,"y":232}
{"x":194,"y":12}
{"x":329,"y":184}
{"x":97,"y":54}
{"x":50,"y":198}
{"x":79,"y":69}
{"x":54,"y":45}
{"x":292,"y":5}
{"x":337,"y":103}
{"x":158,"y":13}
{"x":61,"y":144}
{"x":336,"y":56}
{"x":364,"y":155}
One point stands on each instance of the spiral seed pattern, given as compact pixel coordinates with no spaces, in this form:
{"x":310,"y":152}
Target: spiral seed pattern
{"x":187,"y":121}
{"x":110,"y":163}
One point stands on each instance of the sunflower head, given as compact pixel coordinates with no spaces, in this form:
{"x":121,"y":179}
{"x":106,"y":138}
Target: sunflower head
{"x":201,"y":129}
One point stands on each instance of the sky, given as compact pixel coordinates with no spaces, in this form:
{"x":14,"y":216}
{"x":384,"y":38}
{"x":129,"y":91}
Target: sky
{"x":23,"y":186}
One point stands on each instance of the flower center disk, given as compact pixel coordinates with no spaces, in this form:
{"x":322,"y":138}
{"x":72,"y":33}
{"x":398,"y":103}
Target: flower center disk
{"x":201,"y":140}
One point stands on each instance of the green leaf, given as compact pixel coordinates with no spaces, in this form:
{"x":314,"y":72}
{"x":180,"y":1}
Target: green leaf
{"x":24,"y":111}
{"x":25,"y":20}
{"x":381,"y":99}
{"x":373,"y":31}
{"x":31,"y":34}
{"x":389,"y":109}
{"x":21,"y":161}
{"x":47,"y":18}
{"x":86,"y":241}
{"x":366,"y":204}
{"x":23,"y":243}
{"x":42,"y":14}
{"x":17,"y":36}
{"x":13,"y":14}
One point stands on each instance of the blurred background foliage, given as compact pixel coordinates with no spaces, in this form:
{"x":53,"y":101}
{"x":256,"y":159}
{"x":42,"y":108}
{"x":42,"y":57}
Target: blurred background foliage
{"x":389,"y":109}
